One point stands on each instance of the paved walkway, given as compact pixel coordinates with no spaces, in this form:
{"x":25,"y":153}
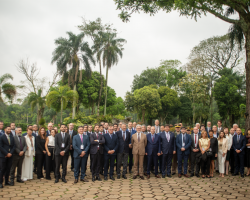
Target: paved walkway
{"x":167,"y":188}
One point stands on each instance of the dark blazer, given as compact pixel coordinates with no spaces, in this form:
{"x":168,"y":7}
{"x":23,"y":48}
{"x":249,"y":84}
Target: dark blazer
{"x":216,"y":134}
{"x":131,"y":133}
{"x":94,"y":145}
{"x":40,"y":144}
{"x":193,"y":142}
{"x":2,"y":132}
{"x":104,"y":131}
{"x":47,"y":133}
{"x":17,"y":143}
{"x":188,"y":143}
{"x":110,"y":144}
{"x":77,"y":145}
{"x":167,"y":147}
{"x":123,"y":145}
{"x":71,"y":136}
{"x":58,"y":143}
{"x":214,"y":145}
{"x":153,"y":146}
{"x":239,"y":145}
{"x":5,"y":147}
{"x":208,"y":131}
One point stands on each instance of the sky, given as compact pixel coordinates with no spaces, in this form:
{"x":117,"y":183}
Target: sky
{"x":29,"y":28}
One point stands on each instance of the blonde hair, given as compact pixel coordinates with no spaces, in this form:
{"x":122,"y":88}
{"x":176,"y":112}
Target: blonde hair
{"x":204,"y":132}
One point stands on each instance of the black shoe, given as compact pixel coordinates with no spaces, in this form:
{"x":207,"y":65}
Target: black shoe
{"x":124,"y":176}
{"x":112,"y":178}
{"x":130,"y":171}
{"x":142,"y":177}
{"x":242,"y":175}
{"x":20,"y":181}
{"x":76,"y":181}
{"x":191,"y":175}
{"x":197,"y":175}
{"x":105,"y":178}
{"x":118,"y":176}
{"x":234,"y":174}
{"x":48,"y":178}
{"x":101,"y":173}
{"x":7,"y":183}
{"x":93,"y":179}
{"x":12,"y":183}
{"x":98,"y":178}
{"x":169,"y":176}
{"x":189,"y":171}
{"x":217,"y":171}
{"x":1,"y":185}
{"x":163,"y":176}
{"x":57,"y":180}
{"x":64,"y":180}
{"x":173,"y":173}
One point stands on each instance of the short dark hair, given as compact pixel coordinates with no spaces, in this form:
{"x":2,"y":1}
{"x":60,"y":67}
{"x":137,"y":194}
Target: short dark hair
{"x":6,"y":127}
{"x":97,"y":125}
{"x":211,"y":131}
{"x":85,"y":125}
{"x":115,"y":124}
{"x":12,"y":123}
{"x":183,"y":127}
{"x":219,"y":121}
{"x":166,"y":125}
{"x":100,"y":125}
{"x":62,"y":125}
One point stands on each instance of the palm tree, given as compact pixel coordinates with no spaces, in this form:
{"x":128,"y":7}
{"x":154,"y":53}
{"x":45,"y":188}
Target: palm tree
{"x":110,"y":51}
{"x":73,"y":52}
{"x":6,"y":88}
{"x":62,"y":96}
{"x":36,"y":99}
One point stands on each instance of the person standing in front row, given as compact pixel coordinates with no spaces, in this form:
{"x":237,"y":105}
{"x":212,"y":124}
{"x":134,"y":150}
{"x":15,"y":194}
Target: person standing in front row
{"x":50,"y":156}
{"x":138,"y":143}
{"x":81,"y":147}
{"x":72,"y":133}
{"x":204,"y":144}
{"x":18,"y":156}
{"x":183,"y":143}
{"x":222,"y":152}
{"x":62,"y":144}
{"x":40,"y":151}
{"x":7,"y":148}
{"x":195,"y":150}
{"x":110,"y":149}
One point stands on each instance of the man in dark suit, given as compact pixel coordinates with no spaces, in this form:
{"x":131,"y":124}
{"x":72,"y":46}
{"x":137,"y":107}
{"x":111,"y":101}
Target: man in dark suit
{"x":153,"y":151}
{"x":96,"y":152}
{"x":106,"y":126}
{"x":7,"y":148}
{"x":72,"y":133}
{"x":85,"y":132}
{"x":220,"y":128}
{"x":50,"y":127}
{"x":209,"y":127}
{"x":160,"y":157}
{"x":110,"y":149}
{"x":18,"y":156}
{"x":131,"y":131}
{"x":168,"y":149}
{"x":13,"y":128}
{"x":99,"y":129}
{"x":183,"y":143}
{"x":81,"y":147}
{"x":239,"y":144}
{"x":195,"y":150}
{"x":62,"y":145}
{"x":123,"y":151}
{"x":1,"y":128}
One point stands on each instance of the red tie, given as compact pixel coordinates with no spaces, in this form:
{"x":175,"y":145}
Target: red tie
{"x":97,"y":135}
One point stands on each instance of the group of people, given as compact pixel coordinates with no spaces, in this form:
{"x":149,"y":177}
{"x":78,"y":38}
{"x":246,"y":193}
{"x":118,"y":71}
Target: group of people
{"x":145,"y":149}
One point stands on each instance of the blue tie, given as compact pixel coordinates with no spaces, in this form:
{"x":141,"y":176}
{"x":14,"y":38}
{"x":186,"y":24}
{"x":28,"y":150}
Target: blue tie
{"x":111,"y":136}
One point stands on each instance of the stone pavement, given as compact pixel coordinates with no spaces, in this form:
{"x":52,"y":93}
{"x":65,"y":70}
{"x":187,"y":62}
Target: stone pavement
{"x":167,"y":188}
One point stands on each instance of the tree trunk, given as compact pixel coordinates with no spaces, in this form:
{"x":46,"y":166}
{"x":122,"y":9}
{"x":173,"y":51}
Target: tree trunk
{"x":143,"y":116}
{"x":100,"y":92}
{"x":74,"y":107}
{"x":105,"y":104}
{"x":61,"y":110}
{"x":247,"y":67}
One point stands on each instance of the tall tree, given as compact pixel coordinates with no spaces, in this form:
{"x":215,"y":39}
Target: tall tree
{"x":62,"y":97}
{"x":74,"y":53}
{"x":6,"y":88}
{"x":239,"y":30}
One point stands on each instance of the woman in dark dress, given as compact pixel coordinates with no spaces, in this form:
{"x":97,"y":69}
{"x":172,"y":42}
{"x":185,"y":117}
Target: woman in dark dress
{"x":248,"y":152}
{"x":214,"y":149}
{"x":40,"y":151}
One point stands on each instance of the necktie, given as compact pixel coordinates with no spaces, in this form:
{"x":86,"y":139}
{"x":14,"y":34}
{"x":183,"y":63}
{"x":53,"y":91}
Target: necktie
{"x":123,"y":135}
{"x":238,"y":138}
{"x":111,"y":136}
{"x":21,"y":146}
{"x":153,"y":138}
{"x":97,"y":135}
{"x":168,"y":136}
{"x":139,"y":137}
{"x":81,"y":138}
{"x":184,"y":138}
{"x":8,"y":139}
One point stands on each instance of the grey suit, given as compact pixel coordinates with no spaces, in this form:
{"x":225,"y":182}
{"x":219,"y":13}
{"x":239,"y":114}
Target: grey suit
{"x":194,"y":159}
{"x":18,"y":160}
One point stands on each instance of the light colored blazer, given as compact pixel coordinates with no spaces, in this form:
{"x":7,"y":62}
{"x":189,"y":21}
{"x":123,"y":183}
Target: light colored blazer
{"x":29,"y":152}
{"x":224,"y":145}
{"x":229,"y":141}
{"x":139,"y":147}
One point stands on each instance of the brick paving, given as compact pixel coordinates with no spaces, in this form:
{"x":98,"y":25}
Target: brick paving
{"x":155,"y":188}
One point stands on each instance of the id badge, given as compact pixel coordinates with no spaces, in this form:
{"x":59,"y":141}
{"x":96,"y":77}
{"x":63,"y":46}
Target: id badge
{"x":63,"y":145}
{"x":82,"y":146}
{"x":31,"y":148}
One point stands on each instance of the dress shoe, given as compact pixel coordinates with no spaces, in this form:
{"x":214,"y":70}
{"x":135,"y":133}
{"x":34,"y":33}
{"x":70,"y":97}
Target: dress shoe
{"x":182,"y":174}
{"x":130,"y":171}
{"x":84,"y":180}
{"x":112,"y":178}
{"x":145,"y":174}
{"x":163,"y":176}
{"x":169,"y":176}
{"x":101,"y":173}
{"x":179,"y":175}
{"x":98,"y":178}
{"x":1,"y":185}
{"x":191,"y":175}
{"x":217,"y":171}
{"x":93,"y":179}
{"x":64,"y":180}
{"x":12,"y":183}
{"x":173,"y":173}
{"x":48,"y":178}
{"x":148,"y":176}
{"x":234,"y":174}
{"x":105,"y":178}
{"x":134,"y":177}
{"x":118,"y":176}
{"x":142,"y":177}
{"x":7,"y":183}
{"x":76,"y":181}
{"x":124,"y":176}
{"x":20,"y":181}
{"x":57,"y":180}
{"x":197,"y":175}
{"x":186,"y":175}
{"x":157,"y":176}
{"x":242,"y":175}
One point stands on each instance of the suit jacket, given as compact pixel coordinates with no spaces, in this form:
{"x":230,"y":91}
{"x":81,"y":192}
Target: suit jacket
{"x":188,"y":143}
{"x":5,"y":147}
{"x":206,"y":129}
{"x":29,"y":151}
{"x":193,"y":142}
{"x":132,"y":132}
{"x":139,"y":147}
{"x":40,"y":145}
{"x":239,"y":145}
{"x":58,"y":143}
{"x":167,"y":147}
{"x":17,"y":143}
{"x":71,"y":136}
{"x":94,"y":144}
{"x":34,"y":135}
{"x":77,"y":145}
{"x":104,"y":131}
{"x":110,"y":144}
{"x":214,"y":145}
{"x":2,"y":132}
{"x":47,"y":133}
{"x":123,"y":145}
{"x":224,"y":145}
{"x":157,"y":131}
{"x":220,"y":129}
{"x":153,"y":146}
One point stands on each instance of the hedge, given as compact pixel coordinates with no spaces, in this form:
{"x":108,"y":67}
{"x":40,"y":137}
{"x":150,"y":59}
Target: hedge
{"x":22,"y":125}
